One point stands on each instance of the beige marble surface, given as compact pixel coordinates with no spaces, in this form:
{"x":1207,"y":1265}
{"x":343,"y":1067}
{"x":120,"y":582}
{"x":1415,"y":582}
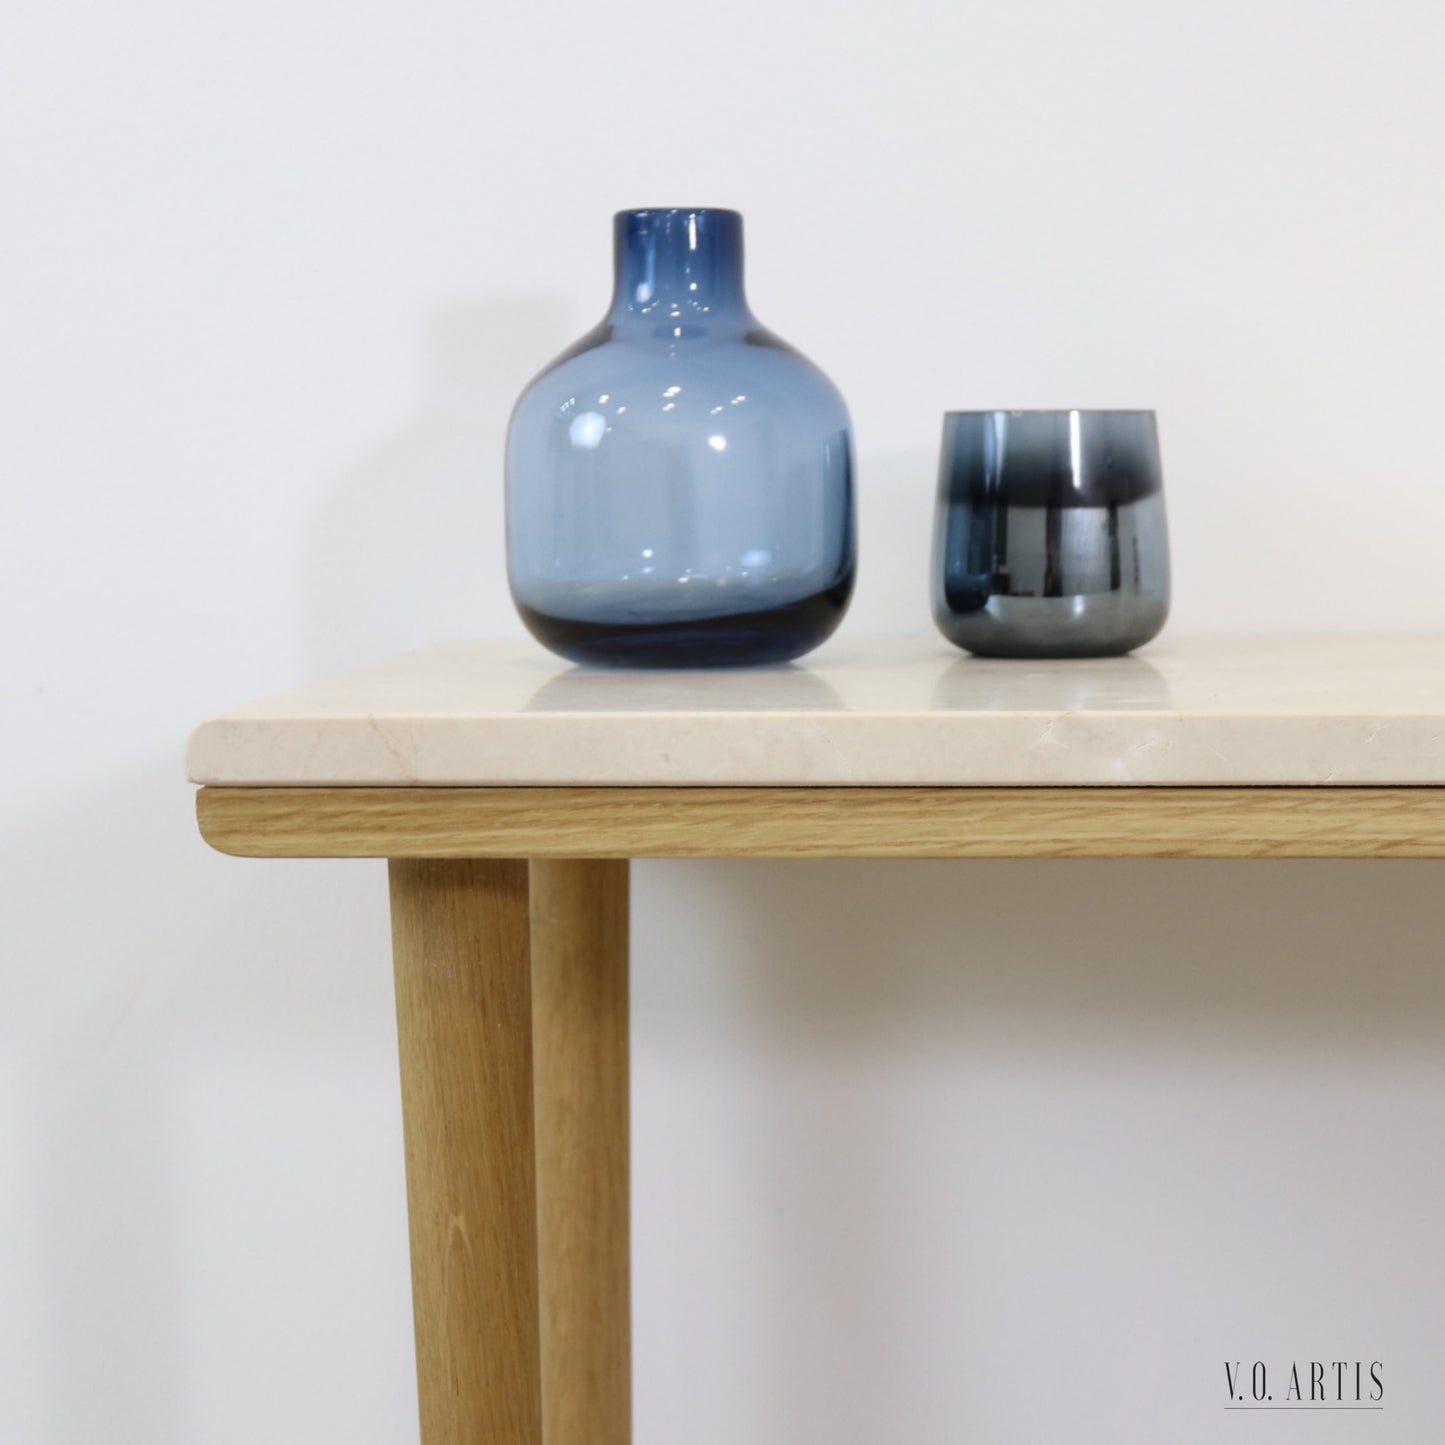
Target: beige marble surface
{"x":866,"y":711}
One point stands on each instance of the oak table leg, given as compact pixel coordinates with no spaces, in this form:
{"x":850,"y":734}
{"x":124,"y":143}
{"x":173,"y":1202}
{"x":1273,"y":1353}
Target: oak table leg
{"x":460,"y":938}
{"x":580,"y":1025}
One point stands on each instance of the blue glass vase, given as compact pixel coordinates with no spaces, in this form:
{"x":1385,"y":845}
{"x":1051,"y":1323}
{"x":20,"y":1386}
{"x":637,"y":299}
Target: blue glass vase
{"x":680,"y":481}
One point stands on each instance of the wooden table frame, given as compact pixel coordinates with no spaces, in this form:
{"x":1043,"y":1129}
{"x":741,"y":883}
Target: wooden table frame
{"x":509,"y":926}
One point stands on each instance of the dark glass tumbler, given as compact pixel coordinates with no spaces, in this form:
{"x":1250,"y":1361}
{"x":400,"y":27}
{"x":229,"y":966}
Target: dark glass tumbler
{"x":1050,"y":536}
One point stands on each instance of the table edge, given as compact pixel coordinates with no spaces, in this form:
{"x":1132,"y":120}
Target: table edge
{"x":1296,"y":821}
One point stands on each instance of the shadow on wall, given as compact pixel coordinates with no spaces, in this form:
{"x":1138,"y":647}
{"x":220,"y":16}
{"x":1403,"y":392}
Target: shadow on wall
{"x":201,"y":1095}
{"x":973,"y":1116}
{"x":410,"y":547}
{"x":1331,"y":955}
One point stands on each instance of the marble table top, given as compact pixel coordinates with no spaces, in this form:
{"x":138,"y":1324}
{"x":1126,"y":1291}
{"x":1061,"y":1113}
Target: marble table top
{"x":863,"y":711}
{"x":860,"y":711}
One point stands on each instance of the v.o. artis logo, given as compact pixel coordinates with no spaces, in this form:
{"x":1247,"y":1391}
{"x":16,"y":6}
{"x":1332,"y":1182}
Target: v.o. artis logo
{"x":1313,"y":1385}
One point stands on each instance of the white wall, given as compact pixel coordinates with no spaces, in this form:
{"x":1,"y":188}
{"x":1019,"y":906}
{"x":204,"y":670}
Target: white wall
{"x":992,"y":1152}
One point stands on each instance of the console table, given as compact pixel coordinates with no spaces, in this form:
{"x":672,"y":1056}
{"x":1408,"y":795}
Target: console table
{"x":509,"y":791}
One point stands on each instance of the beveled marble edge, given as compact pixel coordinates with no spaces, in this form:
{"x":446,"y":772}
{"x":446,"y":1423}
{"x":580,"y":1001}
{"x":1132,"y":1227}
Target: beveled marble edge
{"x":997,"y":751}
{"x":1251,"y":711}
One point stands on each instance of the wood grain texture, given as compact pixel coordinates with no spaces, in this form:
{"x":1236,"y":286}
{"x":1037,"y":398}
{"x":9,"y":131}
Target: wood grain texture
{"x":460,"y":934}
{"x":825,"y":822}
{"x":580,"y":1060}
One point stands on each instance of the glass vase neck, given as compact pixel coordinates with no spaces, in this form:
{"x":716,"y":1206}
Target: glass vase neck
{"x":677,"y":263}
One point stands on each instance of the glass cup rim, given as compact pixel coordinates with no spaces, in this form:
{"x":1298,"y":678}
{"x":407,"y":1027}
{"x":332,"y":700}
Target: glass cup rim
{"x":676,"y":211}
{"x":1054,"y":411}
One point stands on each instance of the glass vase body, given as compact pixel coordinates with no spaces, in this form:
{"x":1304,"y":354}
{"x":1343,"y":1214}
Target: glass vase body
{"x":680,"y":481}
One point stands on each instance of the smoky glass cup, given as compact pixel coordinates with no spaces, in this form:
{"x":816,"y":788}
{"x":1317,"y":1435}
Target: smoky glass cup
{"x":1050,"y":537}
